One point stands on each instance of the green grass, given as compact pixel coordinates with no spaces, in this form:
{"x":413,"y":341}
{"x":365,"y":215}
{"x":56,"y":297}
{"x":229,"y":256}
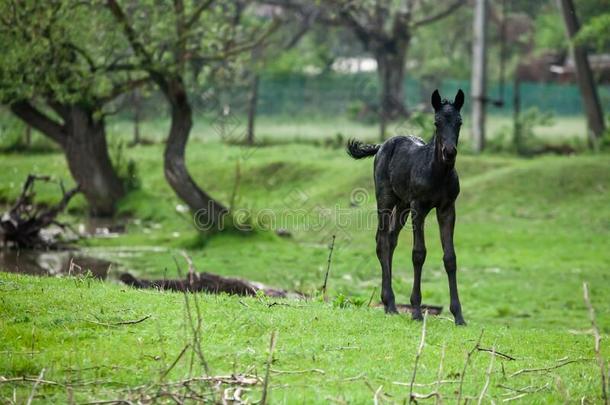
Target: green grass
{"x":45,"y":331}
{"x":529,"y":233}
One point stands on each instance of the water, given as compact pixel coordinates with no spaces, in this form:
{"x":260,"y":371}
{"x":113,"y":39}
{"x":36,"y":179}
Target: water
{"x":53,"y":263}
{"x":103,"y":263}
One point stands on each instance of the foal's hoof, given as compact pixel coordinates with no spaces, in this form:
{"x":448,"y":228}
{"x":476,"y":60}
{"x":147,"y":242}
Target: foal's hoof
{"x":391,"y":310}
{"x":417,"y":316}
{"x":460,"y":321}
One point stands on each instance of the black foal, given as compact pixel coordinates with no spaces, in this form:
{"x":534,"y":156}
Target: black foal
{"x":412,"y":176}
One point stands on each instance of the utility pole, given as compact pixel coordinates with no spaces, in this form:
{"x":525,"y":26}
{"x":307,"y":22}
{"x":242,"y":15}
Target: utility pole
{"x":479,"y":74}
{"x":584,"y":76}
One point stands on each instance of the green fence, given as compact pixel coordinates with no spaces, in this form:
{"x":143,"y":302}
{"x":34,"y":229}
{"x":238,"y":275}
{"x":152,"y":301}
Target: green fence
{"x":333,"y":94}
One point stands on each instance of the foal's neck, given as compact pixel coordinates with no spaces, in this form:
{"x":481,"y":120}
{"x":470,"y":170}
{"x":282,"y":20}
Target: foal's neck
{"x":436,"y":160}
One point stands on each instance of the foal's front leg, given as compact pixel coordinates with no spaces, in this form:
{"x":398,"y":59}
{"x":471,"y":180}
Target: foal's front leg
{"x":418,"y":256}
{"x":446,"y":223}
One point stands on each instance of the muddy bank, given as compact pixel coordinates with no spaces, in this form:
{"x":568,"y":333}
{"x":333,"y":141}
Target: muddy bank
{"x":209,"y":283}
{"x":53,"y":263}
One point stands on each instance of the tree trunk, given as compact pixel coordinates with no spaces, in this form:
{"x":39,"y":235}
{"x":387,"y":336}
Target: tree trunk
{"x":209,"y":214}
{"x":479,"y":75}
{"x":83,"y":140}
{"x":137,"y":112}
{"x":588,"y":90}
{"x":391,"y":59}
{"x":89,"y":162}
{"x":252,"y":102}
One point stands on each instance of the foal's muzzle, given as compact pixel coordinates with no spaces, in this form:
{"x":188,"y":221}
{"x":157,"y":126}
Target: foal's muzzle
{"x":449,"y":153}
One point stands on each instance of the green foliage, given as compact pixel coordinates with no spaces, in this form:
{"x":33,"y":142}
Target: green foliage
{"x":126,"y":168}
{"x":550,"y":32}
{"x":60,"y":50}
{"x":520,"y":137}
{"x":343,"y":301}
{"x":596,"y":33}
{"x":525,"y":136}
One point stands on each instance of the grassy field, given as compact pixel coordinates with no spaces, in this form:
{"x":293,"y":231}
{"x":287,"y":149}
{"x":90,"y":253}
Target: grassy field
{"x":529,"y":233}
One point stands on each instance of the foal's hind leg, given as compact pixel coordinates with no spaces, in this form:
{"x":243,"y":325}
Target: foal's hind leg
{"x":387,"y":236}
{"x":418,"y":216}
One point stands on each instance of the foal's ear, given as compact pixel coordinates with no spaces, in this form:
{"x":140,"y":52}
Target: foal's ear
{"x":459,"y":100}
{"x":436,"y":100}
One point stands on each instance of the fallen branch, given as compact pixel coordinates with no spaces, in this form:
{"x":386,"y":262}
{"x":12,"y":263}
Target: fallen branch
{"x":598,"y":338}
{"x":311,"y":370}
{"x":21,"y":226}
{"x":28,"y":379}
{"x":524,"y":390}
{"x":205,"y":282}
{"x":535,"y":370}
{"x":437,"y":382}
{"x":495,"y":353}
{"x":114,"y":324}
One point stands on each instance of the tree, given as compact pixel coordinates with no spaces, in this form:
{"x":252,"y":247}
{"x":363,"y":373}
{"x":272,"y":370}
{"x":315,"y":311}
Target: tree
{"x":584,"y":75}
{"x":263,"y":54}
{"x":58,"y":70}
{"x":479,"y":74}
{"x":385,"y":29}
{"x":170,"y":40}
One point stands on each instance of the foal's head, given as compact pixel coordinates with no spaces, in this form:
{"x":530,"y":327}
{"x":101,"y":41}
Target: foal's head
{"x":447,"y":120}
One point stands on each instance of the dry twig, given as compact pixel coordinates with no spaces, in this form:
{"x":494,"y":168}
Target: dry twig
{"x":496,"y":353}
{"x":420,"y":348}
{"x":268,"y":372}
{"x":466,"y":363}
{"x":311,"y":370}
{"x":598,"y":338}
{"x":535,"y":370}
{"x":120,"y":323}
{"x":487,"y":376}
{"x":330,"y":256}
{"x":31,"y":397}
{"x":439,"y":375}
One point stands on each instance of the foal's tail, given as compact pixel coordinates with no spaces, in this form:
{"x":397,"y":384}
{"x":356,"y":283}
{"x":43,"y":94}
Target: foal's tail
{"x":359,"y":150}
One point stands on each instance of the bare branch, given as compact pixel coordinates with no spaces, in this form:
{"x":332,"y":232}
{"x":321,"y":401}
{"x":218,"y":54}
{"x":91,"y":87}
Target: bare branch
{"x":246,"y":46}
{"x":197,"y":13}
{"x":129,"y":31}
{"x":439,"y":16}
{"x":122,"y":88}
